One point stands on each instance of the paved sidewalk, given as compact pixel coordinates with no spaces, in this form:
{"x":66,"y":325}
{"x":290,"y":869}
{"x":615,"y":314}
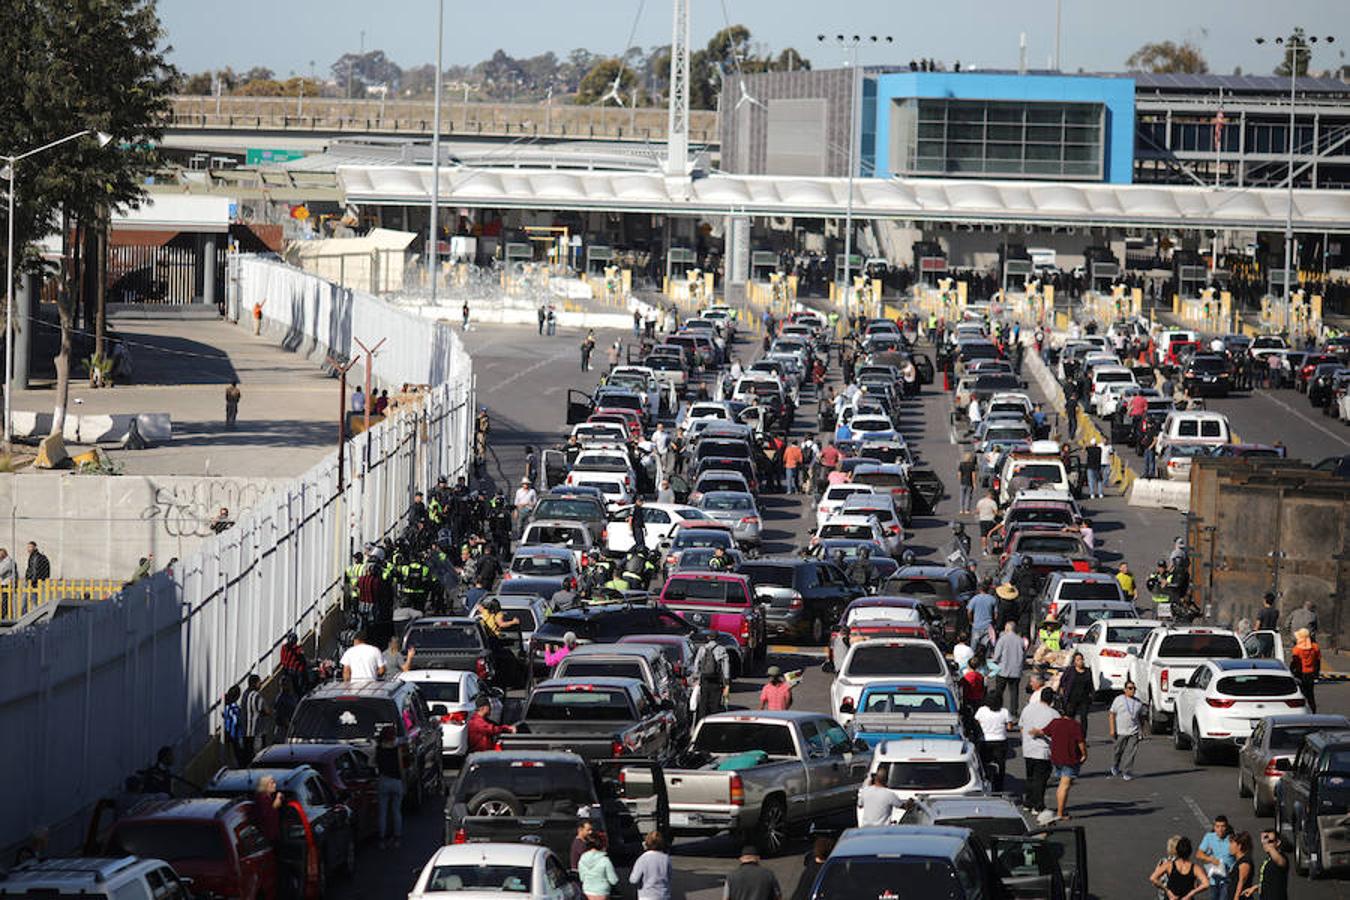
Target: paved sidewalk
{"x":287,"y":416}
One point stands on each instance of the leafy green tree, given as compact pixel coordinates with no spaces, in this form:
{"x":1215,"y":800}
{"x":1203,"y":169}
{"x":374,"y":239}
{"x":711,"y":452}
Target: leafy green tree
{"x":1296,"y":55}
{"x":71,"y":65}
{"x":1167,"y":56}
{"x":600,"y":79}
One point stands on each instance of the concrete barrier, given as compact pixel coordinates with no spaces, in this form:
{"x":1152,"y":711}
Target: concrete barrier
{"x":1159,"y":493}
{"x":112,"y":428}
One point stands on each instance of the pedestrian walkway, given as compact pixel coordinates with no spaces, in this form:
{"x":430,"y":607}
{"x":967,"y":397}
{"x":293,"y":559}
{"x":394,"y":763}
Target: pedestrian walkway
{"x":287,"y":415}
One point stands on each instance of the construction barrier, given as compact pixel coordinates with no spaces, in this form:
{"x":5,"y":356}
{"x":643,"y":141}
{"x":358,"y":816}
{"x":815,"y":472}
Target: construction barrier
{"x":18,"y":600}
{"x":1159,"y":493}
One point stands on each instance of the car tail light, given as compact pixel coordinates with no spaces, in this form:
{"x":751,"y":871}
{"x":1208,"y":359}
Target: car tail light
{"x":616,"y":748}
{"x":480,"y":668}
{"x":737,"y":789}
{"x":1272,"y":769}
{"x":1164,"y":679}
{"x":670,"y":559}
{"x":1296,"y":703}
{"x":627,"y":482}
{"x":1054,"y":610}
{"x":1112,"y":654}
{"x":953,"y":604}
{"x":585,"y":559}
{"x":1218,"y":703}
{"x":455,"y":718}
{"x":750,"y":520}
{"x":745,"y":629}
{"x":498,"y":746}
{"x":894,"y":529}
{"x":461,"y":837}
{"x":796,"y":601}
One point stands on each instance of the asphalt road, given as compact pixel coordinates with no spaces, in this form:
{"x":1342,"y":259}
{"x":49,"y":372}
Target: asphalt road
{"x":523,"y":379}
{"x":1264,"y":417}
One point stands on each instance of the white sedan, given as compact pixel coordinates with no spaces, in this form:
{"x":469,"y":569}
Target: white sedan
{"x":1106,"y":647}
{"x":857,"y":528}
{"x":659,"y":520}
{"x":449,"y":695}
{"x":473,"y":871}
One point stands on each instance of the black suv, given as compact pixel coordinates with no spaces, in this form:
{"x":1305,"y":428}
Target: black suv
{"x":355,"y":712}
{"x":605,"y":624}
{"x":1311,"y":802}
{"x":804,"y":596}
{"x":1208,"y":374}
{"x":950,"y":586}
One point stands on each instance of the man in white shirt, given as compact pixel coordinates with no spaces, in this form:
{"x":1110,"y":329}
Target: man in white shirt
{"x":661,"y":439}
{"x":362,"y":662}
{"x":876,"y":802}
{"x":523,"y":502}
{"x":358,"y":400}
{"x":1036,"y":750}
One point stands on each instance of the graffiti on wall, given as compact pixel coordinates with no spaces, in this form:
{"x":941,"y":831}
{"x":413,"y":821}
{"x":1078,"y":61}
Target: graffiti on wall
{"x":190,"y":509}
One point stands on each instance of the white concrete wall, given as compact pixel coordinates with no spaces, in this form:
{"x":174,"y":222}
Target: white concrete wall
{"x":99,"y":526}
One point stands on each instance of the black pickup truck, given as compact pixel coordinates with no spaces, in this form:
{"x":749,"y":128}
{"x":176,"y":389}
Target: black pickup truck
{"x":596,"y":718}
{"x":517,"y":795}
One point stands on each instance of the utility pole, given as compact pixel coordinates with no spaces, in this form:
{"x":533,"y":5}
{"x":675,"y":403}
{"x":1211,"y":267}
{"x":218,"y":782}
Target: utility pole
{"x":370,"y":363}
{"x":342,"y":415}
{"x":434,"y":232}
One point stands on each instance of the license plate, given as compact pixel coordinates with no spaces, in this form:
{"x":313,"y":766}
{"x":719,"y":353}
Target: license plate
{"x":678,"y":818}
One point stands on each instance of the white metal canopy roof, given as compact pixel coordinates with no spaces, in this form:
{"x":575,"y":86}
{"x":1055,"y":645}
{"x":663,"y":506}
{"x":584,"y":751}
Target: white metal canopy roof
{"x":915,"y":198}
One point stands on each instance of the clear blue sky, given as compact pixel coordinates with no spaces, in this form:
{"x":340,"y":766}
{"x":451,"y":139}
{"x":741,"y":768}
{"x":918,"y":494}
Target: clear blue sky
{"x":286,"y":35}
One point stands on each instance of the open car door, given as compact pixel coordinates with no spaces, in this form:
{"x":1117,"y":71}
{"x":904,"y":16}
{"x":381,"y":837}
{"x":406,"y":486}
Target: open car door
{"x":637,"y":811}
{"x":1264,"y":645}
{"x":1043,"y":865}
{"x":553,"y":466}
{"x":579,"y":406}
{"x":923,"y":368}
{"x":297,"y":856}
{"x":926,"y":490}
{"x":755,"y":417}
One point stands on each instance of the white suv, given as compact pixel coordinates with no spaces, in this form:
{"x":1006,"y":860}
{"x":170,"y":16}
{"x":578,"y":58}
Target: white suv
{"x":127,"y":878}
{"x":1224,"y":699}
{"x":933,"y":767}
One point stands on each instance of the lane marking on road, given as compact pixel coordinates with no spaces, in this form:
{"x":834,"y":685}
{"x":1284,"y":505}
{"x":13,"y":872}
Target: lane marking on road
{"x":528,"y":369}
{"x":1339,"y":438}
{"x":1196,"y":811}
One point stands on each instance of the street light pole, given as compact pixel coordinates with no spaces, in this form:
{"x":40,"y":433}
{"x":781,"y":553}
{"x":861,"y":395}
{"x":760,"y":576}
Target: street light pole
{"x":850,"y":44}
{"x":1295,"y":43}
{"x":433,"y":252}
{"x":12,"y":176}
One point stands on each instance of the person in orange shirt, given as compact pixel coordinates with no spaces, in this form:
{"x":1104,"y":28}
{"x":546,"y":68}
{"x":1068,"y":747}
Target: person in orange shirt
{"x":792,"y":461}
{"x":1306,"y":664}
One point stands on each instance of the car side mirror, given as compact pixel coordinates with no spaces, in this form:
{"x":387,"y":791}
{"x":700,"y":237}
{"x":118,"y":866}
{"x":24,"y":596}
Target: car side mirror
{"x":1284,"y":765}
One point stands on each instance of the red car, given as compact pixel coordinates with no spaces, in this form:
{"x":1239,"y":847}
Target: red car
{"x":346,"y":771}
{"x":214,"y":842}
{"x":1310,"y":364}
{"x":719,"y":601}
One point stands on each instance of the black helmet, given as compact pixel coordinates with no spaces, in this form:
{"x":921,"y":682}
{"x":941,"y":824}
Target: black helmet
{"x":1161,"y":563}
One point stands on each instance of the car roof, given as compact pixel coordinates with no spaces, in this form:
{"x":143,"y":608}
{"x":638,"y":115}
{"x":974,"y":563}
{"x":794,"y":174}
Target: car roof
{"x":541,"y":550}
{"x":308,"y":753}
{"x":191,"y":808}
{"x":1248,"y":665}
{"x":381,"y":690}
{"x":1318,"y":719}
{"x":603,"y":681}
{"x":288,"y":779}
{"x":437,"y":676}
{"x":488,"y":853}
{"x":785,"y":715}
{"x":971,"y":807}
{"x":840,"y":519}
{"x":936,"y":748}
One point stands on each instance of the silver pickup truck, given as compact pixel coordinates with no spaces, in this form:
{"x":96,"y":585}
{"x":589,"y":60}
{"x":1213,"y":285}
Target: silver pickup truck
{"x":756,"y":774}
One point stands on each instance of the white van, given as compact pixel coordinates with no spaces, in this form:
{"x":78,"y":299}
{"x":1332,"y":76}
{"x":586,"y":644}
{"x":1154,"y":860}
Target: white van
{"x":1194,"y":427}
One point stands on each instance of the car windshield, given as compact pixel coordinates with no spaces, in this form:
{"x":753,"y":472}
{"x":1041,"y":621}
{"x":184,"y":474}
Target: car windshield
{"x":707,"y":485}
{"x":1039,"y":472}
{"x":702,"y":537}
{"x":481,"y":877}
{"x":762,"y":574}
{"x":1290,"y":737}
{"x":1086,"y":615}
{"x":1262,"y":685}
{"x":906,"y":659}
{"x":1127,"y":634}
{"x":582,"y":703}
{"x":1200,"y":645}
{"x":557,"y":535}
{"x":439,"y":691}
{"x":879,"y":479}
{"x":580,"y":510}
{"x":584,"y":668}
{"x":602,"y":462}
{"x":1050,"y":516}
{"x":1090,"y":590}
{"x":546,"y":566}
{"x":171,"y":840}
{"x":451,"y":636}
{"x":342,"y":718}
{"x":907,"y":701}
{"x":1208,"y":364}
{"x":529,"y":780}
{"x":707,"y":590}
{"x":724,"y":503}
{"x":1049,"y":543}
{"x":722,"y":738}
{"x":928,"y":775}
{"x":608,"y":488}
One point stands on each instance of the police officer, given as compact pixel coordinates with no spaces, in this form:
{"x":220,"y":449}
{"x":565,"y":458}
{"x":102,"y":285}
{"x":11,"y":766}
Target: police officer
{"x":414,"y":579}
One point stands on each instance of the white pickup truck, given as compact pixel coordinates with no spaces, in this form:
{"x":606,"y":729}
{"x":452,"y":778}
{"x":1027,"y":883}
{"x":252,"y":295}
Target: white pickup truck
{"x":1171,"y":653}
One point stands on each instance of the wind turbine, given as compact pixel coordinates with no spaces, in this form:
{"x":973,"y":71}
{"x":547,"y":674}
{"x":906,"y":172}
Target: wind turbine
{"x":746,"y":96}
{"x":613,"y":92}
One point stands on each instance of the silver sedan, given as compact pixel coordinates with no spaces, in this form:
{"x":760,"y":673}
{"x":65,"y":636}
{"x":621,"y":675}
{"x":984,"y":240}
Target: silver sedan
{"x":737,"y":509}
{"x":1273,"y":741}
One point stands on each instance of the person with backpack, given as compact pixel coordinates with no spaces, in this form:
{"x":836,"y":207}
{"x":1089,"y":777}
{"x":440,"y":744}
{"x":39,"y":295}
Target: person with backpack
{"x":713,"y":670}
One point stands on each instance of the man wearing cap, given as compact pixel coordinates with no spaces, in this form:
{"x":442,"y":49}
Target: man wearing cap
{"x":524,"y":502}
{"x":750,"y":880}
{"x":777,"y":694}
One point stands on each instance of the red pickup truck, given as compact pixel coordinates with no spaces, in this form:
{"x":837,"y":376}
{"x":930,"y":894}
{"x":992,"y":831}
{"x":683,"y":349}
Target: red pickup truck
{"x":720,"y":601}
